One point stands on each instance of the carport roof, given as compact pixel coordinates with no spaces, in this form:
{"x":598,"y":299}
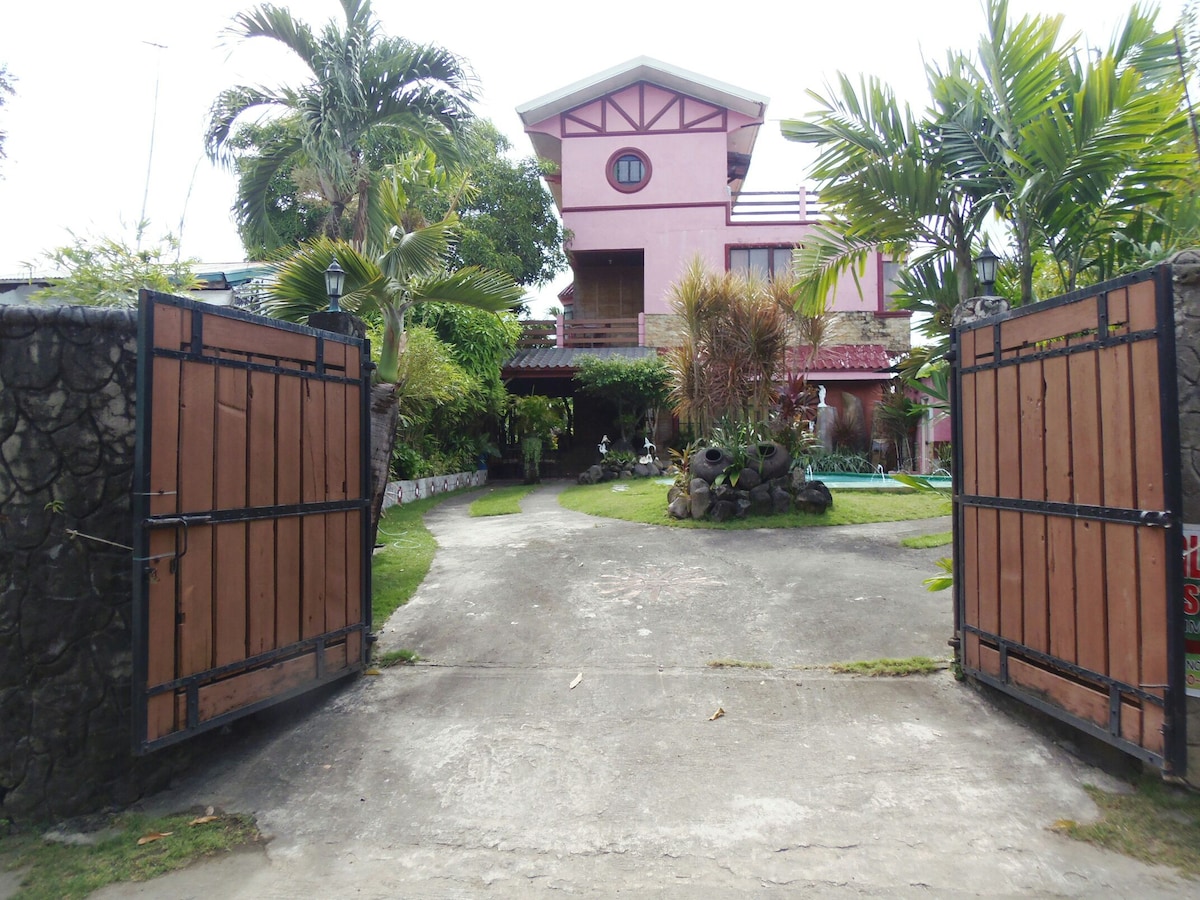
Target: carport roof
{"x":561,"y":360}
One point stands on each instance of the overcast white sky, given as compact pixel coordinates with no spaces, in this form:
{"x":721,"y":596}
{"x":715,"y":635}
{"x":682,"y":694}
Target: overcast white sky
{"x":80,"y":126}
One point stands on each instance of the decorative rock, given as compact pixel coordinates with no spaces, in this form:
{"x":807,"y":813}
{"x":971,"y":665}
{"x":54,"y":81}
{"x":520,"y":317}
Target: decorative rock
{"x":743,"y":506}
{"x":760,"y":500}
{"x":781,"y":501}
{"x":814,"y":497}
{"x":680,"y":507}
{"x":722,"y":511}
{"x":701,"y":498}
{"x":591,"y":475}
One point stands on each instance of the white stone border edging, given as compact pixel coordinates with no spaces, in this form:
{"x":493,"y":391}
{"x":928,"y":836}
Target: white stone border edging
{"x":408,"y":491}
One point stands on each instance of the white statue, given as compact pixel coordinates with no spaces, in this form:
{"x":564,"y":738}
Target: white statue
{"x":603,"y":445}
{"x":821,"y":395}
{"x":649,"y":446}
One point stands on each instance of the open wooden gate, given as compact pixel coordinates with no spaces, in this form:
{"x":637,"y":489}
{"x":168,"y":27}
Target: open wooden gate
{"x":251,"y":572}
{"x":1068,"y":575}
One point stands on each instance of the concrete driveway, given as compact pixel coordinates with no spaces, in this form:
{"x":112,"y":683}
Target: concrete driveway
{"x":482,"y":772}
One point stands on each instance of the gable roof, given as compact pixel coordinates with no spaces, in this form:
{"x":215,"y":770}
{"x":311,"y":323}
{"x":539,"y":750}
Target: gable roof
{"x":645,"y":69}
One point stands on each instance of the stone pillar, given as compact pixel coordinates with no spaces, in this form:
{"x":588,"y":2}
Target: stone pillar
{"x":826,"y":420}
{"x":342,"y":323}
{"x":1185,"y":273}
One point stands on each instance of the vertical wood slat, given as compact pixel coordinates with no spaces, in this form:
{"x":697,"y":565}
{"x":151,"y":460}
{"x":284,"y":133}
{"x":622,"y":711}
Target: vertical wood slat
{"x":1120,"y":541}
{"x":229,"y":603}
{"x":312,"y":528}
{"x":970,"y":477}
{"x":1010,"y":561}
{"x":1087,"y":464}
{"x":287,"y":493}
{"x":987,"y":457}
{"x":261,"y":491}
{"x":197,"y":454}
{"x":1035,"y":600}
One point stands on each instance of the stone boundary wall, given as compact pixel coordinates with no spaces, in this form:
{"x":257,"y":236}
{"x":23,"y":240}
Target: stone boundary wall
{"x":407,"y":491}
{"x":1185,"y":273}
{"x":67,"y":431}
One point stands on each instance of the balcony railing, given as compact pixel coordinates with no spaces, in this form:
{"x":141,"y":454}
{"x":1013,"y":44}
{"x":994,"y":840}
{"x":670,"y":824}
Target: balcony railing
{"x":563,"y":332}
{"x":775,"y":206}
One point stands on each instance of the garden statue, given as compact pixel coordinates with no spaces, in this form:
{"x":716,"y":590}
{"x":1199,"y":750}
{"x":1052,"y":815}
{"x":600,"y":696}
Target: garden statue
{"x":821,"y":395}
{"x":648,"y":456}
{"x":603,"y":445}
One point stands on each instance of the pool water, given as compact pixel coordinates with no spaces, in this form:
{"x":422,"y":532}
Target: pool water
{"x":848,"y":481}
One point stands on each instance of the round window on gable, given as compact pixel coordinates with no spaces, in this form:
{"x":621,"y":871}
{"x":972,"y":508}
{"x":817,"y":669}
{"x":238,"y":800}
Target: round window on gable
{"x":628,"y":170}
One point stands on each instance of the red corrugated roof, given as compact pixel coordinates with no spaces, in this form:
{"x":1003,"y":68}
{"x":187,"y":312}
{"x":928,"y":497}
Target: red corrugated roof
{"x":841,"y":358}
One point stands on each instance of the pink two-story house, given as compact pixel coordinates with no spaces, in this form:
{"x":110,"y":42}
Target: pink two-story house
{"x":650,"y":162}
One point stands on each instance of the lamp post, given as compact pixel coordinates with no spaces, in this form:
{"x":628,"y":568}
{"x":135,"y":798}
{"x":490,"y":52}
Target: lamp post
{"x":335,"y":280}
{"x":985,"y":270}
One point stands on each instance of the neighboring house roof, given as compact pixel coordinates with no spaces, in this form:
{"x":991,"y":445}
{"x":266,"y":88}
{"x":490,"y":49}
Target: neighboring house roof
{"x":231,"y":274}
{"x":843,"y":362}
{"x":564,"y":360}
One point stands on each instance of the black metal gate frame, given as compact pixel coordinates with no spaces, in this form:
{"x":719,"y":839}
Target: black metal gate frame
{"x":1173,"y":701}
{"x":143,"y":522}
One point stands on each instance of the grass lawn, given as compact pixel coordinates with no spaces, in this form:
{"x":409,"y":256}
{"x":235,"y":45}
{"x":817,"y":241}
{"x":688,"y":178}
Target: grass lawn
{"x":130,"y":847}
{"x":928,"y":541}
{"x":645,"y":500}
{"x":501,"y":501}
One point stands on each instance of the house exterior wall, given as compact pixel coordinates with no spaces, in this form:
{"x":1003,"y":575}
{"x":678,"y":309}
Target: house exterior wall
{"x":681,"y":213}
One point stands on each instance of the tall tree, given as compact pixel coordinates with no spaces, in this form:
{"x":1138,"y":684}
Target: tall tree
{"x":402,"y":266}
{"x":1067,"y":152}
{"x":6,"y":90}
{"x":360,"y":82}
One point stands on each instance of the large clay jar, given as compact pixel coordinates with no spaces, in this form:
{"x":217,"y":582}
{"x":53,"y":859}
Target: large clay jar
{"x":710,"y":462}
{"x":769,"y":459}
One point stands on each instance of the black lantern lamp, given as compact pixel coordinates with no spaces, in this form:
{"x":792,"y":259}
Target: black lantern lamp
{"x":985,"y":270}
{"x":335,"y":280}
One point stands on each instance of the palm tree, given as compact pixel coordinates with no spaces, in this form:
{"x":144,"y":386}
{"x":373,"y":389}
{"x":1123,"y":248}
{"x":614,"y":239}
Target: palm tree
{"x":361,"y":82}
{"x":403,"y":265}
{"x":1067,"y":154}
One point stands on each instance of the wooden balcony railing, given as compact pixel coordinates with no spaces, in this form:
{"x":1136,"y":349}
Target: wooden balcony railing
{"x":563,"y":332}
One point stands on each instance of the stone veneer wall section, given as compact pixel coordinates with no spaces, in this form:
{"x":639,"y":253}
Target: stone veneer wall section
{"x":67,"y":429}
{"x":1185,"y":271}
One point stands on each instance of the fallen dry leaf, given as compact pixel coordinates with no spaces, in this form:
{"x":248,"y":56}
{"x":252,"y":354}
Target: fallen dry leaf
{"x":720,"y":712}
{"x":203,"y":820}
{"x":153,"y":836}
{"x":209,"y":811}
{"x":575,"y":683}
{"x":372,"y":672}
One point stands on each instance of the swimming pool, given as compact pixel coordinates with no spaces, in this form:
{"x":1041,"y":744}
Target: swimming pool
{"x":843,"y":481}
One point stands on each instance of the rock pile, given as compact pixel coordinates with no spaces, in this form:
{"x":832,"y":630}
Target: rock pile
{"x":763,"y":489}
{"x":614,"y":469}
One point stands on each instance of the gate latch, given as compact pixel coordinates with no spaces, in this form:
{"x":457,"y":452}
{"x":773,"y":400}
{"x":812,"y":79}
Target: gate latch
{"x":173,"y":522}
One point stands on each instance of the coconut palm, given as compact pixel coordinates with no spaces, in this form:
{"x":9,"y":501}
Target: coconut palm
{"x":1066,"y":153}
{"x":360,"y":81}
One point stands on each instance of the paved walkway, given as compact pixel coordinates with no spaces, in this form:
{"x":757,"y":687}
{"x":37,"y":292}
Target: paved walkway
{"x":482,"y":772}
